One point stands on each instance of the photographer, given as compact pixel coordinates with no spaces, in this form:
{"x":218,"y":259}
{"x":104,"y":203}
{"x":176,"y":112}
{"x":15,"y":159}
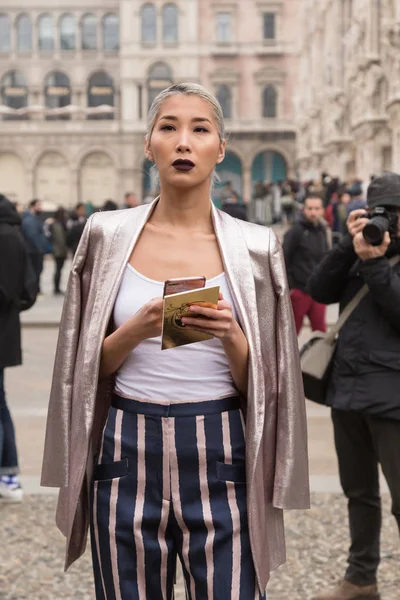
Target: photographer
{"x":365,"y":380}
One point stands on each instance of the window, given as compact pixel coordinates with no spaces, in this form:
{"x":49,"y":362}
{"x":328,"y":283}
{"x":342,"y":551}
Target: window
{"x":170,"y":23}
{"x":67,"y":32}
{"x":5,"y":34}
{"x":46,"y":33}
{"x":57,"y":91}
{"x":149,"y":23}
{"x":160,"y":77}
{"x":111,"y":32}
{"x":269,"y":26}
{"x":224,"y":27}
{"x":100,"y":91}
{"x":224,"y":97}
{"x":269,"y":102}
{"x":89,"y":32}
{"x":14,"y":93}
{"x":24,"y":34}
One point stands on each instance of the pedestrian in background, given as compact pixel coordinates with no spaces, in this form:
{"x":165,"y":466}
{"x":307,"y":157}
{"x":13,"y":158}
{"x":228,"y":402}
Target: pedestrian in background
{"x":13,"y":257}
{"x":233,"y":207}
{"x":109,"y":205}
{"x":130,"y":200}
{"x":364,"y":384}
{"x":287,"y":204}
{"x":58,"y":231}
{"x":75,"y":226}
{"x":357,"y":197}
{"x":37,"y":243}
{"x":305,"y":245}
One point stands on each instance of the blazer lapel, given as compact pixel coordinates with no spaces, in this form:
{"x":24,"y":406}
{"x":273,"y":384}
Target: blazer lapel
{"x":116,"y":256}
{"x":121,"y":246}
{"x":239,"y":273}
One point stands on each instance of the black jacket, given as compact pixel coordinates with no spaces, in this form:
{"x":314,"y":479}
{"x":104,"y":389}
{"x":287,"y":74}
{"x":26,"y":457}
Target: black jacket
{"x":12,"y":264}
{"x":304,"y":246}
{"x":75,"y":227}
{"x":366,"y":371}
{"x":239,"y":211}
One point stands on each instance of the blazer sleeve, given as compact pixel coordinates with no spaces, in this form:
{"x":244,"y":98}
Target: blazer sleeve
{"x":55,"y":470}
{"x":291,"y":484}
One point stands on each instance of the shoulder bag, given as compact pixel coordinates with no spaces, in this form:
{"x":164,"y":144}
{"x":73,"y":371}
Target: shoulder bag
{"x":316,"y":356}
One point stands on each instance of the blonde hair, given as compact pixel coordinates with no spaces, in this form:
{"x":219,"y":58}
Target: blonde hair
{"x":187,"y":89}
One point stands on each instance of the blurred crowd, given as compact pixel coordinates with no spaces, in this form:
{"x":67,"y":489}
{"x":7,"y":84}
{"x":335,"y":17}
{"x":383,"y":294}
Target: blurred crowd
{"x":58,"y":233}
{"x":283,"y":201}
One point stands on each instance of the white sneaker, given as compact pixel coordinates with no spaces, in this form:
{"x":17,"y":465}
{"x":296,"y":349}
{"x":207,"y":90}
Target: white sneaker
{"x":11,"y":492}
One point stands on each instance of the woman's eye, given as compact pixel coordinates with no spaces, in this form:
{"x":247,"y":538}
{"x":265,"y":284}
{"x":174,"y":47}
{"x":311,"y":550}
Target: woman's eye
{"x":202,"y":129}
{"x":167,"y":128}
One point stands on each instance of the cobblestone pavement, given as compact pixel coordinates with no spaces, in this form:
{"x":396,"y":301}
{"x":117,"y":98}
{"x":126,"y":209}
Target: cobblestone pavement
{"x":31,"y":554}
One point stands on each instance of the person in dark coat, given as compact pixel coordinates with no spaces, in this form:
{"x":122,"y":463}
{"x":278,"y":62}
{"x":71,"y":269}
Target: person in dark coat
{"x":233,"y":208}
{"x":36,"y":241}
{"x":12,"y":263}
{"x":365,"y":382}
{"x":58,"y":230}
{"x":304,"y":246}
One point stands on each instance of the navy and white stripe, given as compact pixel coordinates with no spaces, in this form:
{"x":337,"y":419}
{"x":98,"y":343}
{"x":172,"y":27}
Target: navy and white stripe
{"x":170,"y":481}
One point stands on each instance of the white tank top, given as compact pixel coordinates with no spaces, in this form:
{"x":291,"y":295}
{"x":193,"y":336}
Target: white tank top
{"x":197,"y":371}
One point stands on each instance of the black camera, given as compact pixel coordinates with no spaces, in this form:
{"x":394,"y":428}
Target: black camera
{"x":381,"y":219}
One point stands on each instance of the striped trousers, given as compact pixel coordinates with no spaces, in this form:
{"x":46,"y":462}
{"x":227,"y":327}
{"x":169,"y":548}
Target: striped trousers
{"x":170,"y":481}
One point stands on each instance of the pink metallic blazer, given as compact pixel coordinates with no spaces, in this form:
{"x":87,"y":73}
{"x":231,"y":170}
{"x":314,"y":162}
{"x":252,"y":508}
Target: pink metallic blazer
{"x":276,"y":432}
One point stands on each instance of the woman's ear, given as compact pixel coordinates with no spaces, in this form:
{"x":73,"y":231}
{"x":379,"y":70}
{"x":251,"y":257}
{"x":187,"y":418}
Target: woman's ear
{"x":147,"y":150}
{"x":221,"y":153}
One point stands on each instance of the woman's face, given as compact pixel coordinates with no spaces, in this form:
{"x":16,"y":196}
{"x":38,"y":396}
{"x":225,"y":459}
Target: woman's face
{"x":185,"y":144}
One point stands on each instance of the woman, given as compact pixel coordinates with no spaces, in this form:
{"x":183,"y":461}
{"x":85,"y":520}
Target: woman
{"x":58,"y":229}
{"x":171,"y":465}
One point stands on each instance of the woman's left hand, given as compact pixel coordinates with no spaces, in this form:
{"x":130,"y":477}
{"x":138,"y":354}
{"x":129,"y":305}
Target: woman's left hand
{"x":218,"y":322}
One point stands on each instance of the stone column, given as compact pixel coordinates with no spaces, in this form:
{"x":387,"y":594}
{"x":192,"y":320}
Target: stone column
{"x":30,"y":183}
{"x":394,"y":123}
{"x":129,"y":101}
{"x":373,"y":28}
{"x":74,"y":189}
{"x":246,"y":187}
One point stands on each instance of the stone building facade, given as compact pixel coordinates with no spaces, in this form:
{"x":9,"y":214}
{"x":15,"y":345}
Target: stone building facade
{"x":347,"y":99}
{"x":59,"y":68}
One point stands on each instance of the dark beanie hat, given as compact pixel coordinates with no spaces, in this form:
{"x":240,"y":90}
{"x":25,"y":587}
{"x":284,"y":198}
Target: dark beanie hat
{"x":384,"y":191}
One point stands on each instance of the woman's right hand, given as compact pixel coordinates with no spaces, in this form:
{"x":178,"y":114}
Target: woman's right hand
{"x":356,"y":221}
{"x":147,"y":322}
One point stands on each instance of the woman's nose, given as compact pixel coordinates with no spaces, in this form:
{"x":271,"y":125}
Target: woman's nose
{"x":183,"y":144}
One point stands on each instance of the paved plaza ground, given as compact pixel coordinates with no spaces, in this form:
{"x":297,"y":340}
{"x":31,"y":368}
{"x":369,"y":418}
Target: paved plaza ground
{"x":31,"y":549}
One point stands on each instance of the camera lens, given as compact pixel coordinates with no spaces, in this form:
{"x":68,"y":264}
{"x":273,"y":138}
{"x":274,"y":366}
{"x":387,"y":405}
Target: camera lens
{"x":375,"y":230}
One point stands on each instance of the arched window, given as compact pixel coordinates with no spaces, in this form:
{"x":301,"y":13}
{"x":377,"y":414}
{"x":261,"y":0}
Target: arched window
{"x":89,"y":32}
{"x":101,"y":91}
{"x":67,"y":32}
{"x":170,"y":23}
{"x":14,"y":93}
{"x":46,"y":33}
{"x":111,"y":32}
{"x":5,"y":33}
{"x":24,"y":34}
{"x":149,"y":23}
{"x":269,"y":102}
{"x":224,"y":96}
{"x":57,"y":91}
{"x":160,"y":77}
